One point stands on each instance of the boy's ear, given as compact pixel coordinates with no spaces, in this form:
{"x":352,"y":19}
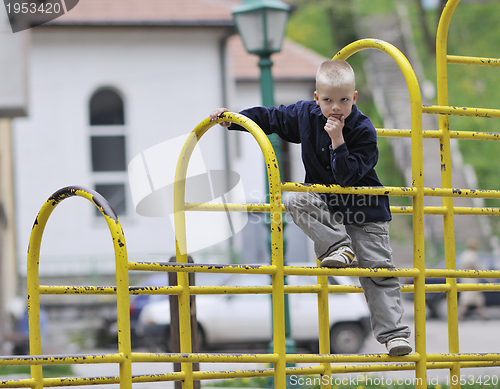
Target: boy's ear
{"x":316,"y":97}
{"x":355,"y":97}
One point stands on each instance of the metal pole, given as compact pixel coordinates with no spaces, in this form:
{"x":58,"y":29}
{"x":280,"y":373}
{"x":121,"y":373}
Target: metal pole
{"x":267,"y":92}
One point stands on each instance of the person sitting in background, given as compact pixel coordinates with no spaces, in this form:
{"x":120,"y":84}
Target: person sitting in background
{"x":475,"y":298}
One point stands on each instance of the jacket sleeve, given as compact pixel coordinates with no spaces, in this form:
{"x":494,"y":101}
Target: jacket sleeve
{"x":351,"y":162}
{"x":282,"y":120}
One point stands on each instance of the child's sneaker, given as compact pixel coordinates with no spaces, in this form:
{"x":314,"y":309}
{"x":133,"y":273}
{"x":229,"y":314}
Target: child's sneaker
{"x":342,"y":257}
{"x":398,"y":347}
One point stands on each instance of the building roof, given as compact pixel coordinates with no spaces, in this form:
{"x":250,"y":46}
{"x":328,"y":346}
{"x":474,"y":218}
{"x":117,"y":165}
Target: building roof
{"x":294,"y":61}
{"x":144,"y":12}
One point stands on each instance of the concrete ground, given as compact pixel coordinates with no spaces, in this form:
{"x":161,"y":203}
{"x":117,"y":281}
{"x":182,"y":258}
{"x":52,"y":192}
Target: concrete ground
{"x":476,"y":336}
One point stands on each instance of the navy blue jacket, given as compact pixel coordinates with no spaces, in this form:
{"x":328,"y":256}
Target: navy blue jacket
{"x":350,"y":164}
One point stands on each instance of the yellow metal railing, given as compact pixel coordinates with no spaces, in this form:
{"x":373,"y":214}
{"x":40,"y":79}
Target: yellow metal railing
{"x":324,"y":363}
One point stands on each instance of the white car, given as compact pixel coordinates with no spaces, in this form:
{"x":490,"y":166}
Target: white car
{"x":247,"y":318}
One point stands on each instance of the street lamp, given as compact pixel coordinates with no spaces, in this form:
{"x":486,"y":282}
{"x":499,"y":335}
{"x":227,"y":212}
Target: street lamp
{"x":261,"y":25}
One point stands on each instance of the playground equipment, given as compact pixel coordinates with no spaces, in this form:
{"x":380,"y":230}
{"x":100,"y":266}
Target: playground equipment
{"x":323,"y":364}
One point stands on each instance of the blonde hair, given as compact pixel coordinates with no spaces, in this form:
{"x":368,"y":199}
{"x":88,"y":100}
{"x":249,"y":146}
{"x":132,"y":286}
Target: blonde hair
{"x":335,"y":73}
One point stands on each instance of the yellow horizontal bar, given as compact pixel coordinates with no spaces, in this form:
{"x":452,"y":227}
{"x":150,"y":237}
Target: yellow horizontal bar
{"x":221,"y":375}
{"x":464,"y":60}
{"x":388,"y":191}
{"x":437,"y":134}
{"x":479,"y":287}
{"x":267,"y":269}
{"x":461,"y":111}
{"x":456,"y":192}
{"x":348,"y":358}
{"x":378,"y":272}
{"x":401,"y":210}
{"x":80,"y":381}
{"x":453,"y":273}
{"x":447,"y":365}
{"x":460,"y":287}
{"x":44,"y":289}
{"x":468,"y":135}
{"x":201,"y":268}
{"x":205,"y":358}
{"x":428,"y":288}
{"x":476,"y":211}
{"x":290,"y":289}
{"x":208,"y":207}
{"x":61,"y":360}
{"x":369,"y":190}
{"x":470,"y":357}
{"x":72,"y":381}
{"x":443,"y":210}
{"x":394,"y":209}
{"x":24,"y":383}
{"x":177,"y":376}
{"x":314,"y":370}
{"x":406,"y":133}
{"x":136,"y":290}
{"x":208,"y":375}
{"x":266,"y":358}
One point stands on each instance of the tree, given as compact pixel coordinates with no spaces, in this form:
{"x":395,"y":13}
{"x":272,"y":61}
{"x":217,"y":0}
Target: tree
{"x":429,"y":40}
{"x":341,"y":17}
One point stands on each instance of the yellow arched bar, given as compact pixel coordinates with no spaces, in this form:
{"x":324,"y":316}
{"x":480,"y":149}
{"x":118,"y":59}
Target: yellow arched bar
{"x":276,"y":239}
{"x":446,"y":180}
{"x":122,"y":295}
{"x":417,"y":184}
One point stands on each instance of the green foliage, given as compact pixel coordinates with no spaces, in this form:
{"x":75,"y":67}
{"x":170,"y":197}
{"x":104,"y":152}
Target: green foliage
{"x":309,"y":27}
{"x":374,"y":7}
{"x":473,"y":32}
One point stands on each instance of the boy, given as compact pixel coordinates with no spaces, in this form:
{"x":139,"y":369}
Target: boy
{"x":339,"y":146}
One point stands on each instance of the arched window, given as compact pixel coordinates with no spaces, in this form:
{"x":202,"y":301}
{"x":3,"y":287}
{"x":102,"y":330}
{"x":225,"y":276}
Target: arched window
{"x":106,"y":108}
{"x":108,"y":147}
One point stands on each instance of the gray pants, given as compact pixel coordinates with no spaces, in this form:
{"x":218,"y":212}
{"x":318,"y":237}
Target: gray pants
{"x":370,"y":242}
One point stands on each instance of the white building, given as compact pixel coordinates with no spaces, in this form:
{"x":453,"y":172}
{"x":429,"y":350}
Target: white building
{"x":110,"y":80}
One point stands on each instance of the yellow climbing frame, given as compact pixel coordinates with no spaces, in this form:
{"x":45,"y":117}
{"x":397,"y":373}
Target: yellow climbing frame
{"x":323,"y":364}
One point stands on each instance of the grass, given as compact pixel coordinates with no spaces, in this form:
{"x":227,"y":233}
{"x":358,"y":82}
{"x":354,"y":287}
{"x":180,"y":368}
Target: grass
{"x":48,"y":371}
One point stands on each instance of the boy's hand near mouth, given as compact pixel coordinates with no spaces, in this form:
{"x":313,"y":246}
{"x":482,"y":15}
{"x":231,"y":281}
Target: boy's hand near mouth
{"x":333,"y":127}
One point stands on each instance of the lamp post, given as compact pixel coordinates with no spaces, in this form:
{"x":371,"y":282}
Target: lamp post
{"x":261,"y":25}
